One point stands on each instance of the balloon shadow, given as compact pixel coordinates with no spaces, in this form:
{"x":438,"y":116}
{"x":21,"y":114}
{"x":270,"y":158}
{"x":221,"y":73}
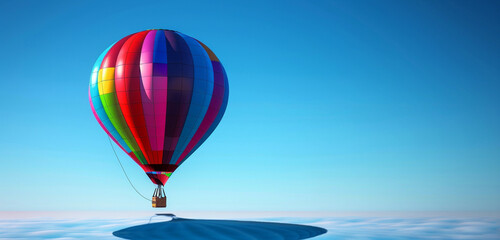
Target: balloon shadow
{"x":193,"y":229}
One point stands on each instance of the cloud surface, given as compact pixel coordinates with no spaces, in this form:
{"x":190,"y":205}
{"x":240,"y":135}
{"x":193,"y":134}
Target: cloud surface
{"x":338,"y":227}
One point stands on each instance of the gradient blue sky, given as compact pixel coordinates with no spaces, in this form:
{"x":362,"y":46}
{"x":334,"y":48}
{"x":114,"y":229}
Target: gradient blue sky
{"x":334,"y":105}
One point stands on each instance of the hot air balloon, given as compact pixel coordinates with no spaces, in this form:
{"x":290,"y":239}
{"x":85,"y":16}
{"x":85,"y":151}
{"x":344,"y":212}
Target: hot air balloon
{"x":158,"y":94}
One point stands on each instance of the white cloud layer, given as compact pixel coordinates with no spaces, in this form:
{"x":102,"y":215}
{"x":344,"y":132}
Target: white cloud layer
{"x":338,"y":228}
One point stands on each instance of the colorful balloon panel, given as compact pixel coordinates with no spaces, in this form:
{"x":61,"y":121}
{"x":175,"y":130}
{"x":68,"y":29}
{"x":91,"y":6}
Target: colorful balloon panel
{"x":158,"y":94}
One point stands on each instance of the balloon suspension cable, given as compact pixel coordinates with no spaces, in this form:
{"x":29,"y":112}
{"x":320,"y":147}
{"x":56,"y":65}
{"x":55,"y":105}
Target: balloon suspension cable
{"x":123,"y":169}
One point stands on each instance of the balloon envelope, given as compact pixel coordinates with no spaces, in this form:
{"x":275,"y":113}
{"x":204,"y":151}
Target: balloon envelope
{"x":158,"y":94}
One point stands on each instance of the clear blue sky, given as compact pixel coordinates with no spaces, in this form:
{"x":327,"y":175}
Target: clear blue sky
{"x":334,"y":105}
